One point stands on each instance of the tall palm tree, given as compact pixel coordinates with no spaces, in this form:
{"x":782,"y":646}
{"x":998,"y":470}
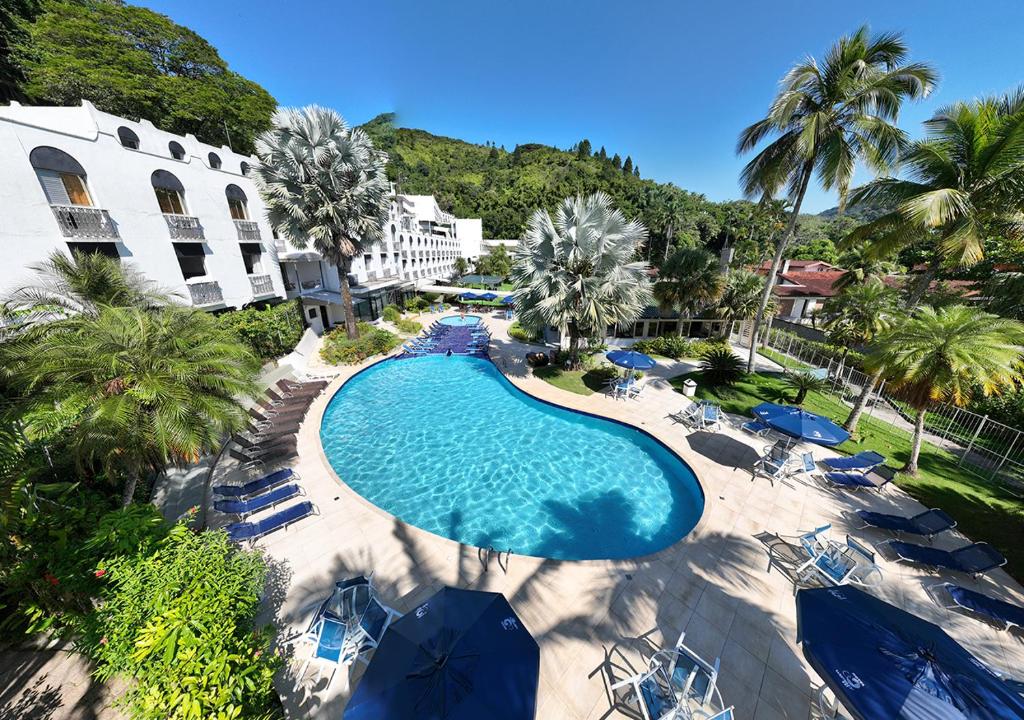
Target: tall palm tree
{"x":947,"y":354}
{"x":576,"y":271}
{"x":690,"y":281}
{"x":826,"y":117}
{"x":135,"y":389}
{"x":861,"y":267}
{"x":323,"y":183}
{"x":965,"y":181}
{"x":740,"y":298}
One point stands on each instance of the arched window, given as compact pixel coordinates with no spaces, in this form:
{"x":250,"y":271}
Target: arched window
{"x":244,"y":167}
{"x":214,"y":160}
{"x":170,"y":193}
{"x":237,"y":203}
{"x":128,"y":138}
{"x":177,"y":151}
{"x":61,"y":176}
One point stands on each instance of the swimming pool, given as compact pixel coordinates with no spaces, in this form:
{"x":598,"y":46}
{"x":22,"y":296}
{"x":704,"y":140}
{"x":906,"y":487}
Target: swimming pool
{"x":449,"y":445}
{"x":459,"y":321}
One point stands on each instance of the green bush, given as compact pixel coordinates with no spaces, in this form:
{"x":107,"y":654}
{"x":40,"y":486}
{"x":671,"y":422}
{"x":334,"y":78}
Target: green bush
{"x":391,"y":313}
{"x":270,"y":333}
{"x":339,"y":350}
{"x":518,"y":332}
{"x":409,"y":327}
{"x":675,"y":347}
{"x":416,"y":304}
{"x":430,"y":297}
{"x":721,"y":367}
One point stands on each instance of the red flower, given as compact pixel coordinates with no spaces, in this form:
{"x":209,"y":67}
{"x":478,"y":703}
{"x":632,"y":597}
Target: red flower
{"x":194,"y":509}
{"x":100,"y":573}
{"x":257,"y":653}
{"x":48,"y":577}
{"x":103,"y":640}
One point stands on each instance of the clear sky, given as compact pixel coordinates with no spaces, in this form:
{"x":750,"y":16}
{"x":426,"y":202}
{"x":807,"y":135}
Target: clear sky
{"x":670,"y":83}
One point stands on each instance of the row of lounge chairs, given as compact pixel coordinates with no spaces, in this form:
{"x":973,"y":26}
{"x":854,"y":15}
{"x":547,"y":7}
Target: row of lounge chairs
{"x":264,"y":493}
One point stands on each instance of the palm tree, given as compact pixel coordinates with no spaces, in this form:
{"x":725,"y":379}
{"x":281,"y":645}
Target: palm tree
{"x":135,"y":389}
{"x":826,"y":117}
{"x":740,"y":298}
{"x":690,"y":281}
{"x":576,"y":272}
{"x":323,"y":182}
{"x":947,"y":354}
{"x":861,"y":266}
{"x":965,"y":181}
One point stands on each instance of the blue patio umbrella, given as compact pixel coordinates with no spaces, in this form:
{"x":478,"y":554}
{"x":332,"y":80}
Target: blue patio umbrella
{"x":509,"y":299}
{"x":883,"y":662}
{"x":631,"y":359}
{"x":801,"y":424}
{"x":488,"y":296}
{"x":469,"y":296}
{"x":461,"y":655}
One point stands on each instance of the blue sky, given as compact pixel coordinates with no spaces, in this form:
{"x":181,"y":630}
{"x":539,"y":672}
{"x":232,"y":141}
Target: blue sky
{"x":669,"y":83}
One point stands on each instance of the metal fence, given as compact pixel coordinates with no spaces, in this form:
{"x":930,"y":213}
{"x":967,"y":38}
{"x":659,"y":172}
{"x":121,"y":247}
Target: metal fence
{"x":980,"y":444}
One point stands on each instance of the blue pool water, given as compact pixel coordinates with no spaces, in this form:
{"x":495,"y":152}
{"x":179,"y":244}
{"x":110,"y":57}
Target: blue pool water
{"x":459,"y":321}
{"x":449,"y":445}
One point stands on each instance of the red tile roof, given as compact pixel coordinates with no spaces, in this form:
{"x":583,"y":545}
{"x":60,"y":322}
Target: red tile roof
{"x":801,"y":265}
{"x":815,"y":283}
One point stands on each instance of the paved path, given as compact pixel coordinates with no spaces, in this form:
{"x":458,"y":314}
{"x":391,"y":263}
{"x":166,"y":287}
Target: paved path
{"x":596,"y":621}
{"x":53,"y":685}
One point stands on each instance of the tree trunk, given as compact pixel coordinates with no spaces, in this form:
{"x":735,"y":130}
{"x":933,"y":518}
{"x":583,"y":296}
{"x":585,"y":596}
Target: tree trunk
{"x":346,"y":300}
{"x":669,"y":232}
{"x":915,"y":446}
{"x":780,"y":249}
{"x":129,"y":489}
{"x":574,"y":347}
{"x":862,"y":402}
{"x":921,"y":286}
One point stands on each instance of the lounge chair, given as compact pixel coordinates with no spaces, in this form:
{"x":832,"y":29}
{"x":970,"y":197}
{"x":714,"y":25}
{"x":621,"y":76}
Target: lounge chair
{"x":242,"y":508}
{"x":634,"y":391}
{"x":696,"y":677}
{"x":711,"y":418}
{"x":247,"y":530}
{"x":1005,"y":614}
{"x":974,"y":560}
{"x":863,"y":461}
{"x":776,"y":462}
{"x":259,"y":485}
{"x":807,"y":464}
{"x":876,"y":479}
{"x":927,"y":524}
{"x":689,"y":415}
{"x":756,"y":427}
{"x":654,"y":694}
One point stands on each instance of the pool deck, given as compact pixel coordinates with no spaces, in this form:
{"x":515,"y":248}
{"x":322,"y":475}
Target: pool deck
{"x":597,"y":621}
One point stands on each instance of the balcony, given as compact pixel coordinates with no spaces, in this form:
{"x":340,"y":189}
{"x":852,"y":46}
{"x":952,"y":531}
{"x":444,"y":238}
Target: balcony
{"x":261,"y":285}
{"x":184,"y":227}
{"x":79,"y":221}
{"x":248,"y":231}
{"x":205,"y":292}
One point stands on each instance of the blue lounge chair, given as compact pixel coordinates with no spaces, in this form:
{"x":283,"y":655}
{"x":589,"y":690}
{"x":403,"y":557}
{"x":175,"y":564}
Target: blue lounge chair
{"x":1005,"y":614}
{"x":927,"y":524}
{"x":974,"y":560}
{"x":241,"y":531}
{"x":877,"y":479}
{"x":256,"y":486}
{"x":259,"y":502}
{"x":807,"y":464}
{"x":863,"y":461}
{"x":711,"y":417}
{"x":756,"y":427}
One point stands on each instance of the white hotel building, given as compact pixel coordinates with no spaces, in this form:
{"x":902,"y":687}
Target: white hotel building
{"x":186,"y":215}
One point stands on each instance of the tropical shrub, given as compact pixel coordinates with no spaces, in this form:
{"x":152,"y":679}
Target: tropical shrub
{"x":338,"y":349}
{"x":269,"y":333}
{"x":676,"y":347}
{"x":721,"y":367}
{"x":391,"y":313}
{"x":409,"y":327}
{"x":177,"y":616}
{"x":416,"y":304}
{"x":518,"y":332}
{"x":802,"y":382}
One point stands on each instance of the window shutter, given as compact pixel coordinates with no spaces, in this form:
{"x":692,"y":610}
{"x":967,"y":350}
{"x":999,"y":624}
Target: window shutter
{"x":53,"y":186}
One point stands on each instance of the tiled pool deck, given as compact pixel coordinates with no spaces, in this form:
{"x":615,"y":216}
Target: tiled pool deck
{"x":597,"y":621}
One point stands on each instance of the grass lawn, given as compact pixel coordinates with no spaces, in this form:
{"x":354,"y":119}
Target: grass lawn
{"x":984,"y":509}
{"x":503,"y":286}
{"x":581,"y":382}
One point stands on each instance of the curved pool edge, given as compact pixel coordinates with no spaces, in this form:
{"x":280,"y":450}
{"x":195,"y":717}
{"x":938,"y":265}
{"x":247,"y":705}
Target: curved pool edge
{"x":314,"y":421}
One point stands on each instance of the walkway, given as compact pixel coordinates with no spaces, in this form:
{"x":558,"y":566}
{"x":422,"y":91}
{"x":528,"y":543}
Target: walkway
{"x":596,"y":621}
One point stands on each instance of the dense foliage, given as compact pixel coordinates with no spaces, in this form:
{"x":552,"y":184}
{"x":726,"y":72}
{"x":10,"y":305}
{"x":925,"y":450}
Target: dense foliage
{"x":518,"y":332}
{"x":15,"y":15}
{"x":675,"y":347}
{"x":409,"y":327}
{"x":270,"y":332}
{"x":133,"y":62}
{"x":720,"y":367}
{"x":339,"y":349}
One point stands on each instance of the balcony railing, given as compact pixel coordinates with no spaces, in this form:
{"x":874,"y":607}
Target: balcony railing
{"x":261,"y":285}
{"x":248,"y":231}
{"x":78,"y":221}
{"x":206,"y":293}
{"x":184,"y":227}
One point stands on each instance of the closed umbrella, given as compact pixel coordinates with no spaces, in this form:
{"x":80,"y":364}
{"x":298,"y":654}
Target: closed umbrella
{"x":461,"y":655}
{"x":883,"y":662}
{"x":801,"y":424}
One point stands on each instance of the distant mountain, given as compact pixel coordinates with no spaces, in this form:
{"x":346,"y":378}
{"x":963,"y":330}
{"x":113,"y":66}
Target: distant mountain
{"x":863,"y":213}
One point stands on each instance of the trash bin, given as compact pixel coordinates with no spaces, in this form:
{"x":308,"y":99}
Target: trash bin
{"x":689,"y":388}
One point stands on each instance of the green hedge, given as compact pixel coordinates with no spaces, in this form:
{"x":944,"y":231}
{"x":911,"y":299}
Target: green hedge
{"x":675,"y":347}
{"x":409,"y":327}
{"x":270,"y":333}
{"x":339,"y":350}
{"x":391,"y":313}
{"x":518,"y":332}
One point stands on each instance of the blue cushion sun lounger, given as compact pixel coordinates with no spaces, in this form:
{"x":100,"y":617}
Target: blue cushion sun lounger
{"x":283,"y":518}
{"x":972,"y":559}
{"x":861,"y":461}
{"x":255,"y":486}
{"x":1006,"y":614}
{"x":929,"y":523}
{"x":756,"y":427}
{"x":856,"y":480}
{"x":259,"y":502}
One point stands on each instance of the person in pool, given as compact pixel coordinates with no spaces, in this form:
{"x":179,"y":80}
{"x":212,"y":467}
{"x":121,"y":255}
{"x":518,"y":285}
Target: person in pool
{"x":462,"y":312}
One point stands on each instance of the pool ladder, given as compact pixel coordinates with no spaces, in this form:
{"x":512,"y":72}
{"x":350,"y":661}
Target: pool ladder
{"x":484,"y":555}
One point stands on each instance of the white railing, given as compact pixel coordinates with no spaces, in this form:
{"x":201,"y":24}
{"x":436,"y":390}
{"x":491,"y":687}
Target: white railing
{"x":248,"y":231}
{"x":261,"y":285}
{"x":79,"y":221}
{"x":184,"y":227}
{"x":206,"y":292}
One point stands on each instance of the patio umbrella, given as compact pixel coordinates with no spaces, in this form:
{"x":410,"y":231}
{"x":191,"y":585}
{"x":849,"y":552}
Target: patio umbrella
{"x":461,"y":655}
{"x":509,"y":299}
{"x":469,"y":296}
{"x":632,"y":360}
{"x":488,"y":296}
{"x":883,"y":662}
{"x":801,"y":424}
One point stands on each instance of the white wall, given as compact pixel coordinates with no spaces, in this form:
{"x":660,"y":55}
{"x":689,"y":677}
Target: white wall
{"x":119,"y":181}
{"x":470,"y":234}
